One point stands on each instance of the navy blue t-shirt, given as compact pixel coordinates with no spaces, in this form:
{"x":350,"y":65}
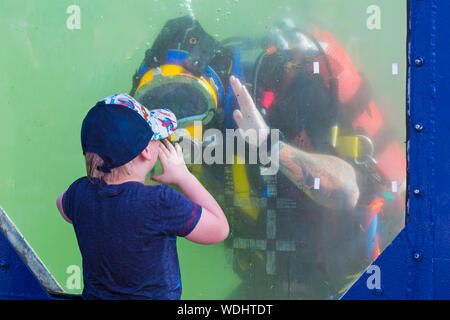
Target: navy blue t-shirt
{"x":127,"y":237}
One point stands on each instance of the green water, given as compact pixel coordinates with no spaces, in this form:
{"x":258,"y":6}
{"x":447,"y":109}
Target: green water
{"x":52,"y":75}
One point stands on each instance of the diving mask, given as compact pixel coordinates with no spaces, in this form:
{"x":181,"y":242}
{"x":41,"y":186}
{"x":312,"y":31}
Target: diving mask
{"x":191,"y":98}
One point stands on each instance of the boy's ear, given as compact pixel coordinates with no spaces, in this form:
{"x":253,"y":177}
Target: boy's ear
{"x":151,"y":151}
{"x":146,"y":154}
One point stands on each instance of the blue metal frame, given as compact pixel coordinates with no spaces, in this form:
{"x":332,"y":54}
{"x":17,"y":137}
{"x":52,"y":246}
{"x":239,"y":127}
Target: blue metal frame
{"x":17,"y":281}
{"x":417,"y":264}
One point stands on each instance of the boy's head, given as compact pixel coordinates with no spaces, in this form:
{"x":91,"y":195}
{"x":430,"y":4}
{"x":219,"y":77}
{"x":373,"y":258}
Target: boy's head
{"x":117,"y":130}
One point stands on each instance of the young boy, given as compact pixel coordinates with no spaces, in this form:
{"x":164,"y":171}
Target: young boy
{"x":126,"y":230}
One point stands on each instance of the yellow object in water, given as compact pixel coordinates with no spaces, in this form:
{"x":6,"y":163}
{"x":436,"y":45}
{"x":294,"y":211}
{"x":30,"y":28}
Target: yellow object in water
{"x":242,"y":189}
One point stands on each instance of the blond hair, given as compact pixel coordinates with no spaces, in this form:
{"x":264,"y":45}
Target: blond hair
{"x":93,"y":161}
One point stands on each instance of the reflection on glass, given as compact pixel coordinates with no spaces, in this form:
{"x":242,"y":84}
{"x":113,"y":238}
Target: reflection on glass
{"x":309,"y":228}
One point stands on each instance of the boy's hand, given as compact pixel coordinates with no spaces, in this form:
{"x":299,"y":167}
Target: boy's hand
{"x":173,"y":165}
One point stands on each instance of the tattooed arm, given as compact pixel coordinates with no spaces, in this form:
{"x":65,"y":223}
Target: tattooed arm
{"x":338,"y":187}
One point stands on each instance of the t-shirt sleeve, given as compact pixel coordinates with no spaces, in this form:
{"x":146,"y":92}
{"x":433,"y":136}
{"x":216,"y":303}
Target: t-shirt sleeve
{"x":179,"y":215}
{"x":68,"y":201}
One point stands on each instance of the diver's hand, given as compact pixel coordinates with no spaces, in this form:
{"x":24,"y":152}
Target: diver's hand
{"x":248,"y":117}
{"x":173,"y":165}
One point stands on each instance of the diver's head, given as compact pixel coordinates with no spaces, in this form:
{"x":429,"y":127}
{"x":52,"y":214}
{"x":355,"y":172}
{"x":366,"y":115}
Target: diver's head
{"x":193,"y":99}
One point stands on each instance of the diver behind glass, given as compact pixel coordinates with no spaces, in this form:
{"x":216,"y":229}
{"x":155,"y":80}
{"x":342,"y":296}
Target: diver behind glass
{"x":296,"y":234}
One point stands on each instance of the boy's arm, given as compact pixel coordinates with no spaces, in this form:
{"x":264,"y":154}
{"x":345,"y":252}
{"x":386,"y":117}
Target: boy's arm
{"x":60,"y":207}
{"x":213,"y":225}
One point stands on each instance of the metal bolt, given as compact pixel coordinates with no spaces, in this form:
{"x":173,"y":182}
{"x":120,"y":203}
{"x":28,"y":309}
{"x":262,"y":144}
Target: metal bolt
{"x":378,"y":292}
{"x":417,"y":192}
{"x":4,"y":265}
{"x":418,"y":127}
{"x":419,"y":61}
{"x":417,"y":256}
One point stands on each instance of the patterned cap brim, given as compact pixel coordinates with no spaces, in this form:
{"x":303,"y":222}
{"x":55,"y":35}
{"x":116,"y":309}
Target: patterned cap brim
{"x":162,"y":121}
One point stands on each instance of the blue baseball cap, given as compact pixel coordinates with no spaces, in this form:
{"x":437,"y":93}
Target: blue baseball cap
{"x":118,"y":128}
